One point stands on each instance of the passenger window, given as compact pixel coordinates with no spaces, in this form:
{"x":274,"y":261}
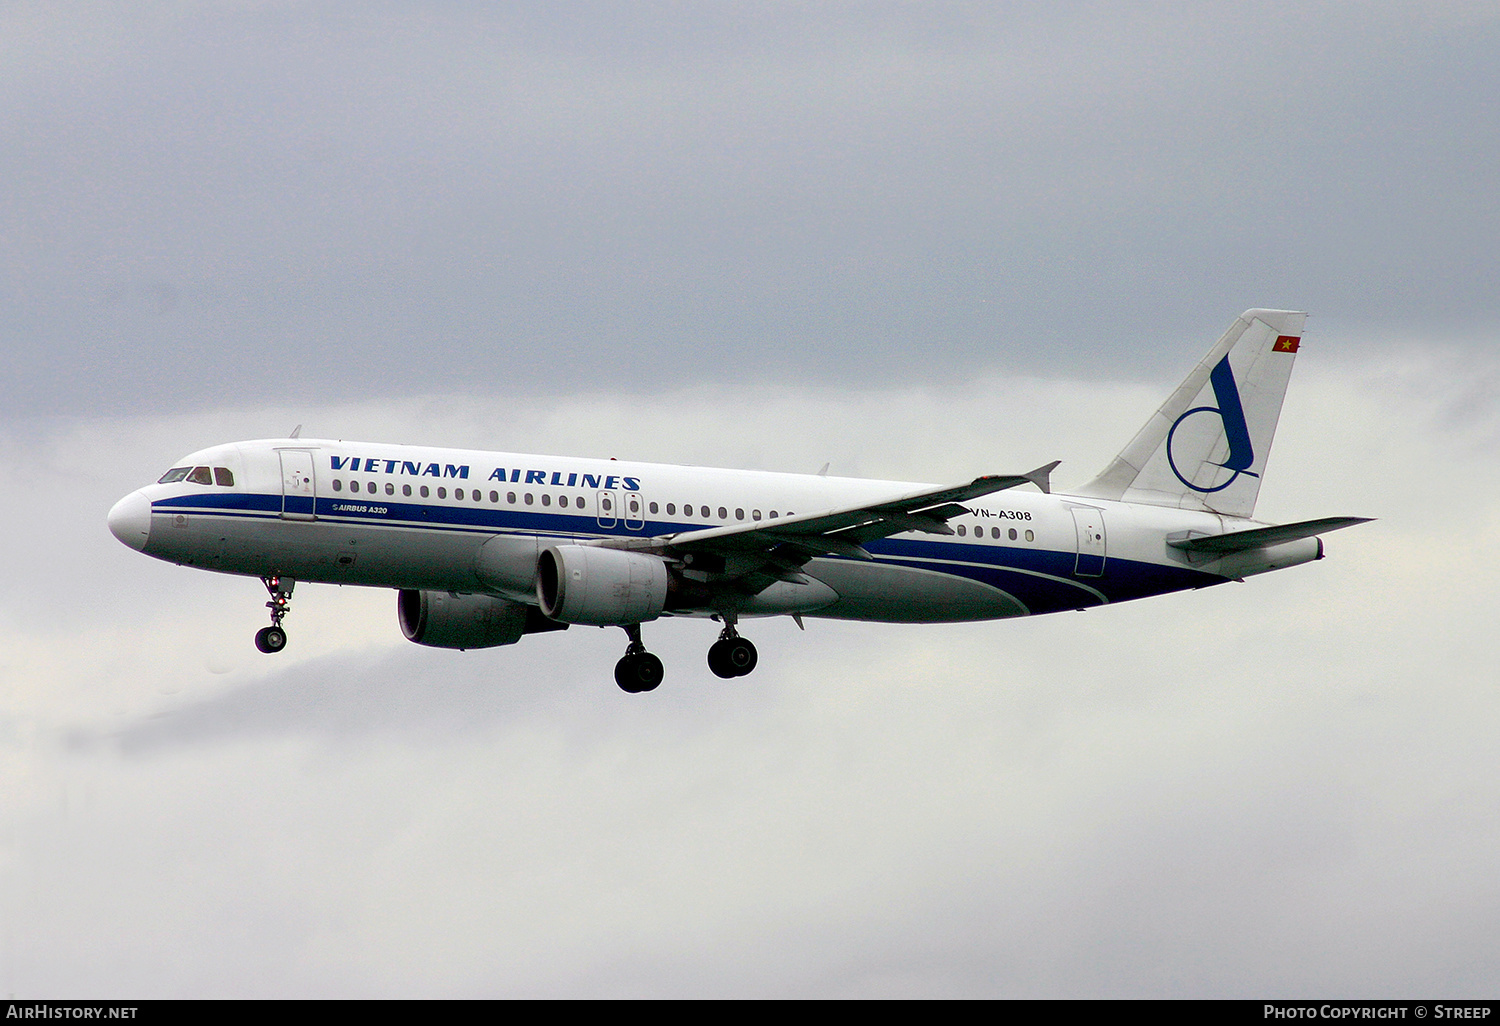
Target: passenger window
{"x":528,"y":498}
{"x":755,"y":514}
{"x":390,"y":489}
{"x":406,"y":490}
{"x":1012,"y":534}
{"x":1030,"y":536}
{"x":174,"y":475}
{"x":723,"y":513}
{"x":671,"y":509}
{"x":705,"y":513}
{"x":739,"y":514}
{"x":772,"y":514}
{"x":960,"y":530}
{"x":442,"y":493}
{"x":510,"y":497}
{"x":494,"y":496}
{"x":546,"y":499}
{"x":201,"y":475}
{"x":653,"y":507}
{"x":338,"y":485}
{"x":424,"y":491}
{"x":223,"y":477}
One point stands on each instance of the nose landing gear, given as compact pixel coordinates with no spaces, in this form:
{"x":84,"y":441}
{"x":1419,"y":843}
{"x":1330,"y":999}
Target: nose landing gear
{"x":638,"y":670}
{"x":273,"y":638}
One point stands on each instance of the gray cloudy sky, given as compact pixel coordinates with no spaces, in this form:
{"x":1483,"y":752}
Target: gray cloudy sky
{"x":245,"y":202}
{"x":919,"y":241}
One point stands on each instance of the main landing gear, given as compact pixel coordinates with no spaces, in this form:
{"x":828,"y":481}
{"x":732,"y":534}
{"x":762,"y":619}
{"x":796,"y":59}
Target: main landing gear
{"x":731,"y":655}
{"x":273,"y":638}
{"x":638,"y":670}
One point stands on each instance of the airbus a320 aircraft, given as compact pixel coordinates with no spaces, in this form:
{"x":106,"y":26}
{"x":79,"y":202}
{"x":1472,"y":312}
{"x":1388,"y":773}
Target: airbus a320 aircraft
{"x":486,"y":547}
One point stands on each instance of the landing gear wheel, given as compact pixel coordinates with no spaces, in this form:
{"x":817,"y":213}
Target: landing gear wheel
{"x":732,"y":657}
{"x":742,"y":656}
{"x":718,"y":659}
{"x":273,"y":638}
{"x":638,"y":671}
{"x":270,"y":639}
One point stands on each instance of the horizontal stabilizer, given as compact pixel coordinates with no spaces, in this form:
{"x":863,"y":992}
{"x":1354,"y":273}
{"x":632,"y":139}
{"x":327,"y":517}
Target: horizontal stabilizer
{"x":1260,"y":537}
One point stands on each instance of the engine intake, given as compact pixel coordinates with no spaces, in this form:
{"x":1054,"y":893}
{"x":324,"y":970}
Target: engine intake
{"x":601,"y":587}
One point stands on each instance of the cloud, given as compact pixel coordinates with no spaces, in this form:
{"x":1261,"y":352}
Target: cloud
{"x":917,"y":244}
{"x":1268,"y":788}
{"x":245,"y":203}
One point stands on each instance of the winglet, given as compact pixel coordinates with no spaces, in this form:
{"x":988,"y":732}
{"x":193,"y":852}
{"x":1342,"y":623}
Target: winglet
{"x":1042,"y":476}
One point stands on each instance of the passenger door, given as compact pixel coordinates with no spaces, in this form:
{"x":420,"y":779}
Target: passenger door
{"x":1089,"y":524}
{"x":298,"y":494}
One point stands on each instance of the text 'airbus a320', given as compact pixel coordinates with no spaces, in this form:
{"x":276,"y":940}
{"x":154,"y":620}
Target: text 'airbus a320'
{"x":486,"y":547}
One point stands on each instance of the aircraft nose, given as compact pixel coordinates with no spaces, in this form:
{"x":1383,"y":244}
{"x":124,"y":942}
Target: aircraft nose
{"x":130,"y":520}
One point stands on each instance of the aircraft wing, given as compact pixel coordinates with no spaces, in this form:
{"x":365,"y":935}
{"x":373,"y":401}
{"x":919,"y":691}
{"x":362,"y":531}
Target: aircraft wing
{"x":781,"y":546}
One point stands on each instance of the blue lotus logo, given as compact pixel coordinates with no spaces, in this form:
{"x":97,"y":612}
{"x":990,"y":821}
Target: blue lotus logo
{"x":1236,"y":432}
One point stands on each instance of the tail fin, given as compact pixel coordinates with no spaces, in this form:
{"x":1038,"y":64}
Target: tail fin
{"x":1206,"y":447}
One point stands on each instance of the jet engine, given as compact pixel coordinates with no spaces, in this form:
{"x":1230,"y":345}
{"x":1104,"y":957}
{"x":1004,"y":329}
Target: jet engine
{"x":445,"y":619}
{"x":602,"y":587}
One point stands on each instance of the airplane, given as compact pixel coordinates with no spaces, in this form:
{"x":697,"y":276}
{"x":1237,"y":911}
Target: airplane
{"x":484,"y":548}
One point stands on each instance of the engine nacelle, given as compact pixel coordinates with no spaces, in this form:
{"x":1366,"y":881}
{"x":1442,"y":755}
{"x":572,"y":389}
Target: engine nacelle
{"x":443,"y":619}
{"x":506,"y":564}
{"x":601,"y":587}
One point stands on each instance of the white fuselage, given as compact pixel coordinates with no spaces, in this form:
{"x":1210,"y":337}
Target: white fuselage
{"x":408,"y":517}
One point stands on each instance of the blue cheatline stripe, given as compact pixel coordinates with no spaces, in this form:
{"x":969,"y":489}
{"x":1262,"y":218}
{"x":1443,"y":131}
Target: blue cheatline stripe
{"x":221,"y":501}
{"x":1043,"y":579}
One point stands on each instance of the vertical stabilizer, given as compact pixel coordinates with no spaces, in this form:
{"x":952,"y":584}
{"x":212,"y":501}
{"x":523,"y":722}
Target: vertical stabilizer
{"x":1206,"y":447}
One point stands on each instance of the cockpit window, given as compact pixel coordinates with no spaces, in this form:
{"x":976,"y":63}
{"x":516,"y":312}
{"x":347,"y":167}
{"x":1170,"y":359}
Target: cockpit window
{"x":201,"y":475}
{"x":223,"y":476}
{"x":174,"y":475}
